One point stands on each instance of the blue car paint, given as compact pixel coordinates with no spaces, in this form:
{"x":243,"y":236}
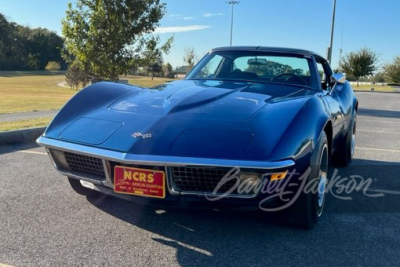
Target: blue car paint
{"x":230,"y":111}
{"x":213,"y":119}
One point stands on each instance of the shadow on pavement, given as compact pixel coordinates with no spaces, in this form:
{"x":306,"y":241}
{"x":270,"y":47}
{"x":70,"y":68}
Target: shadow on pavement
{"x":379,"y":113}
{"x":209,"y":237}
{"x":18,"y":146}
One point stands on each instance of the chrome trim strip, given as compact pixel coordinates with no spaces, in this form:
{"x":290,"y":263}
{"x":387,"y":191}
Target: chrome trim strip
{"x":51,"y":158}
{"x":78,"y":177}
{"x":127,"y":158}
{"x":170,"y":183}
{"x":108,"y":182}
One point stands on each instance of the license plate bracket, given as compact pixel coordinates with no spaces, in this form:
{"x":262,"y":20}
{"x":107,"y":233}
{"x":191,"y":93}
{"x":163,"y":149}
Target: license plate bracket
{"x":139,"y":182}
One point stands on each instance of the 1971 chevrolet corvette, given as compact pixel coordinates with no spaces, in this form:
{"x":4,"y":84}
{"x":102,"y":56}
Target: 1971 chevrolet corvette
{"x":243,"y":121}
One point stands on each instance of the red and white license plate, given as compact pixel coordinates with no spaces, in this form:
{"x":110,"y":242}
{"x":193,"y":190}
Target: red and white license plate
{"x":140,"y":182}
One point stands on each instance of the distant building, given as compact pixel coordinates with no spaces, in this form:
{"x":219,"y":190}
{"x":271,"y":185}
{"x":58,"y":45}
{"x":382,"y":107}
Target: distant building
{"x":181,"y":72}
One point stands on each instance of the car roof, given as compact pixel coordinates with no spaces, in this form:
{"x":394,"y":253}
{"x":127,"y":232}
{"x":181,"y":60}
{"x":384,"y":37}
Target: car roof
{"x":283,"y":50}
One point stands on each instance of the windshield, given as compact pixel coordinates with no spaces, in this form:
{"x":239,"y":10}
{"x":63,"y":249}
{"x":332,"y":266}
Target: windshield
{"x":253,"y":66}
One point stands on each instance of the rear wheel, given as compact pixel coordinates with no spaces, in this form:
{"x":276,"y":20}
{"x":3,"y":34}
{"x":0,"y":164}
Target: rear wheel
{"x":80,"y":189}
{"x":344,"y":154}
{"x":308,"y":207}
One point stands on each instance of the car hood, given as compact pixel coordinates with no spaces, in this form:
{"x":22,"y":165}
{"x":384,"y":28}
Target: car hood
{"x":196,"y":100}
{"x":212,"y":119}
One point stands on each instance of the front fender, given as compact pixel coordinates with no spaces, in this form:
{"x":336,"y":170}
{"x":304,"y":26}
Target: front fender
{"x":94,"y":97}
{"x":301,"y":135}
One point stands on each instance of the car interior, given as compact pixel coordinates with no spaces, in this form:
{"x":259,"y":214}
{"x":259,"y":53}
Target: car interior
{"x":258,"y":68}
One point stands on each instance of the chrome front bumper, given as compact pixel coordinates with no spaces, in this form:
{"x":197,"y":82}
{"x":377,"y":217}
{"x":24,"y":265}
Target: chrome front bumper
{"x":151,"y":160}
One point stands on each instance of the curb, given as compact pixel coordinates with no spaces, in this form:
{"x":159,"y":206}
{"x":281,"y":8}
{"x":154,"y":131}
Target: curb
{"x":21,"y":136}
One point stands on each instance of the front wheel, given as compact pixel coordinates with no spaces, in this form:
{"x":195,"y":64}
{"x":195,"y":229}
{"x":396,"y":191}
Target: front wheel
{"x":344,"y":154}
{"x":308,"y":207}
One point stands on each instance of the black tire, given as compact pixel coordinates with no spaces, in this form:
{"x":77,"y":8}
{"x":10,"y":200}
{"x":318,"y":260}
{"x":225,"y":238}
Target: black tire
{"x":344,"y":155}
{"x":307,"y":208}
{"x":80,"y":189}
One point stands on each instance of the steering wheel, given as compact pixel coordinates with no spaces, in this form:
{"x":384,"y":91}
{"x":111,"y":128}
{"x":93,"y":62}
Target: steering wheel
{"x":290,"y":77}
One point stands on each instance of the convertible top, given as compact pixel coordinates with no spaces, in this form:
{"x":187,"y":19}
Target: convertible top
{"x":283,"y":50}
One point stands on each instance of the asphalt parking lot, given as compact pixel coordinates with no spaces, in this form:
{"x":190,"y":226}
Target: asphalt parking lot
{"x":44,"y":223}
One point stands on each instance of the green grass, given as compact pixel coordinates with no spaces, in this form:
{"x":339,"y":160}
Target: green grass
{"x":145,"y":81}
{"x":15,"y":125}
{"x":28,"y":91}
{"x":24,"y":91}
{"x":379,"y":88}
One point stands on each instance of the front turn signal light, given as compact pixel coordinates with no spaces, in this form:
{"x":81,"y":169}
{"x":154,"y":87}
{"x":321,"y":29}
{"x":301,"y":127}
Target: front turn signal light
{"x":279,"y":176}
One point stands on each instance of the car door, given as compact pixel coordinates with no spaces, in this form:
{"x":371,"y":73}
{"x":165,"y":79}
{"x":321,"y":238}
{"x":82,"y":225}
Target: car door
{"x":336,"y":97}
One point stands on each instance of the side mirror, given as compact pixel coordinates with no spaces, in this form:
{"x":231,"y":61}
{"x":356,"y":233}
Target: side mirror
{"x":338,"y":78}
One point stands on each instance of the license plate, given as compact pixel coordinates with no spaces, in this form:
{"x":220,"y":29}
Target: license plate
{"x":140,"y":182}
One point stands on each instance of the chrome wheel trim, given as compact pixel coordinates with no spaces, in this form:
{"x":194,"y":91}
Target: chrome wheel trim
{"x":321,"y":190}
{"x":322,"y":179}
{"x":353,"y":136}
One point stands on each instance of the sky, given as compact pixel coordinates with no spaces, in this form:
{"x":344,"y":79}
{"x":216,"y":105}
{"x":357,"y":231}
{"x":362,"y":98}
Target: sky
{"x":205,"y":24}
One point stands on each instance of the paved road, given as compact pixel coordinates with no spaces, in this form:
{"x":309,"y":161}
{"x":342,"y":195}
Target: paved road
{"x":19,"y":116}
{"x":44,"y":223}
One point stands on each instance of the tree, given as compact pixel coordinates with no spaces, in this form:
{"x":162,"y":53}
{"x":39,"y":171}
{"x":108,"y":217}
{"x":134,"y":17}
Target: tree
{"x":155,"y":68}
{"x":359,"y":64}
{"x":106,"y":35}
{"x":75,"y":75}
{"x":152,"y":56}
{"x":392,"y":70}
{"x":189,"y":57}
{"x":379,"y":77}
{"x":24,"y":48}
{"x":5,"y":42}
{"x":272,"y":68}
{"x":168,"y":70}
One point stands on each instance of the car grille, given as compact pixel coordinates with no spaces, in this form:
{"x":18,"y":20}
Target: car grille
{"x":200,"y":179}
{"x":85,"y":164}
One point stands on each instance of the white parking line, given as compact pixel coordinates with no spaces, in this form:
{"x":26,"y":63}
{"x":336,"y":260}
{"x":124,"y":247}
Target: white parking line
{"x":184,"y":227}
{"x":386,"y":121}
{"x":379,"y":149}
{"x":31,"y":152}
{"x":369,"y":131}
{"x":5,"y":265}
{"x":384,"y":191}
{"x":202,"y":251}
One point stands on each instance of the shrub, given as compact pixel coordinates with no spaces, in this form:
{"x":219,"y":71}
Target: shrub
{"x":52,"y":66}
{"x":75,"y":76}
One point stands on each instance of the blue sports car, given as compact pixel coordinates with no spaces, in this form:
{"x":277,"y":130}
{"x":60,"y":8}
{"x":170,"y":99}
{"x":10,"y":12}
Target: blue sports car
{"x":249,"y":127}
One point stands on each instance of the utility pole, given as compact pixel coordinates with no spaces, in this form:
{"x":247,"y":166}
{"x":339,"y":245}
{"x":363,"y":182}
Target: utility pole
{"x":233,"y":3}
{"x":341,"y":50}
{"x":332,"y":30}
